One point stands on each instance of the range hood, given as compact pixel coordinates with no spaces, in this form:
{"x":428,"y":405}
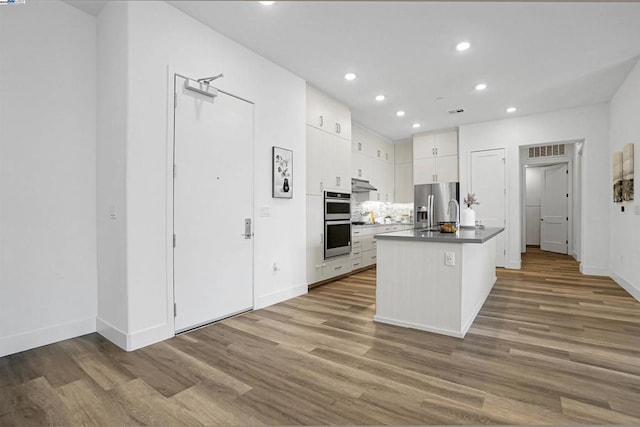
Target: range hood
{"x":361,"y":186}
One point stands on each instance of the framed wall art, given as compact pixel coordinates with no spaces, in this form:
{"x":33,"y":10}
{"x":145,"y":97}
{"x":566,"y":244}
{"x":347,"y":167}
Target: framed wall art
{"x":627,"y":173}
{"x":282,"y":181}
{"x":616,"y":167}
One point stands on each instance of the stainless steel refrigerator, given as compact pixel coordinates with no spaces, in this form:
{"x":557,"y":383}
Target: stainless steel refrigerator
{"x":431,"y":203}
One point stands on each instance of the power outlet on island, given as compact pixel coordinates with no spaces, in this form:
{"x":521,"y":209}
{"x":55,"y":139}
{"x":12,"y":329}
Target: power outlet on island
{"x":449,"y":258}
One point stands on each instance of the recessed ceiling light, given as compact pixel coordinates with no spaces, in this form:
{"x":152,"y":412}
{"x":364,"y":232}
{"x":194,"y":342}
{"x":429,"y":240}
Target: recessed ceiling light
{"x":511,"y":110}
{"x":267,"y":3}
{"x":463,"y":46}
{"x":416,"y":125}
{"x":380,"y":98}
{"x":350,"y":76}
{"x":400,"y":113}
{"x":481,"y":86}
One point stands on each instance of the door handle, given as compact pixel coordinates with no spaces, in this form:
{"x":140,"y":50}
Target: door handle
{"x":247,"y":228}
{"x":541,"y":219}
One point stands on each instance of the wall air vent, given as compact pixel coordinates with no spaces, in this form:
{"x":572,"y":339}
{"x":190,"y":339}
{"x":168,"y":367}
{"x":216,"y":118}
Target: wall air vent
{"x":555,"y":150}
{"x":456,"y":111}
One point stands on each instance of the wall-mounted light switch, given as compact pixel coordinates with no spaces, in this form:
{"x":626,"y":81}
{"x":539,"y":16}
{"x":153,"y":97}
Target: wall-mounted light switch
{"x":265,"y":211}
{"x":113,"y":212}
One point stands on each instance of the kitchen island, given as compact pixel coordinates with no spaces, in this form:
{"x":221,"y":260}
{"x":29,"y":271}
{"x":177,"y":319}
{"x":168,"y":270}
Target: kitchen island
{"x":434,"y":281}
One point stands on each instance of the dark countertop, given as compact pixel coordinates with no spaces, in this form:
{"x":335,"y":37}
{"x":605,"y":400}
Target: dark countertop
{"x":463,"y":235}
{"x":382,"y":225}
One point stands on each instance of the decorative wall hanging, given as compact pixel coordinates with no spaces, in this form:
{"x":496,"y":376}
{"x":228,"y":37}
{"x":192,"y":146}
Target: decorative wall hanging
{"x":627,"y":172}
{"x":617,"y":177}
{"x":282,"y":184}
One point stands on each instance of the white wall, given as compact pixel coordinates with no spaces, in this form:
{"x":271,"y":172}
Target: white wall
{"x":172,"y":39}
{"x":113,"y":72}
{"x":625,"y":226}
{"x":591,"y":124}
{"x":47,"y":174}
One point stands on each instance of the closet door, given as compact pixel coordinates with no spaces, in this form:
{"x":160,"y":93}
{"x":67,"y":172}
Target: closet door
{"x":488,"y":182}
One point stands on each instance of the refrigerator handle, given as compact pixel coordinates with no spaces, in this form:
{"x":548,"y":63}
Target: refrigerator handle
{"x":430,"y":211}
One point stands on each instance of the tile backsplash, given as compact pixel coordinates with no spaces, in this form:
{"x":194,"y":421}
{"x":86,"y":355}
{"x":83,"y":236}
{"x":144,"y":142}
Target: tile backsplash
{"x":399,"y":212}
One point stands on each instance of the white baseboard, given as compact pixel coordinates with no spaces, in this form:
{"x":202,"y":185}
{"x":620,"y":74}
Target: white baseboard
{"x":44,"y":336}
{"x":136,"y":340}
{"x":594,"y":271}
{"x":395,"y":322}
{"x":150,"y":336}
{"x":513,"y":265}
{"x":575,"y":256}
{"x":279,"y":296}
{"x":111,"y":333}
{"x":627,"y":286}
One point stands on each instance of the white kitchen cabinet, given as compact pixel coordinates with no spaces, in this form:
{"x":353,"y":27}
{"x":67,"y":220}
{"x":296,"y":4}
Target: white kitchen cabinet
{"x":314,"y":163}
{"x":337,"y":266}
{"x":373,"y":160}
{"x":424,"y":171}
{"x":315,"y":239}
{"x":435,"y":144}
{"x":447,"y":169}
{"x":325,"y":113}
{"x":314,"y":111}
{"x":335,"y":163}
{"x":362,"y":166}
{"x":446,"y":143}
{"x":423,"y":145}
{"x":435,"y":157}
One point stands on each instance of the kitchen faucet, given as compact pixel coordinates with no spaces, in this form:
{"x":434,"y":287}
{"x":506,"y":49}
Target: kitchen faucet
{"x":457,"y":210}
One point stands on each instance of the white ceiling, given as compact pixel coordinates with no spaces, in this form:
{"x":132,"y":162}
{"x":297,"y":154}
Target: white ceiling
{"x":535,"y":56}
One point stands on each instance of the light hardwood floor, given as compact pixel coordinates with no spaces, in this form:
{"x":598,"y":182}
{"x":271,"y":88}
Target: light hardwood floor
{"x":550,"y":346}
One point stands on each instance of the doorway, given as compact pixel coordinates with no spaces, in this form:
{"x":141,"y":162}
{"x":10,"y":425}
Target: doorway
{"x":547,"y":207}
{"x":212,"y":204}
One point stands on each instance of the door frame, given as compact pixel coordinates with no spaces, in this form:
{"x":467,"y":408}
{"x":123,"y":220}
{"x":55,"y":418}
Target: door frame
{"x":523,"y":201}
{"x":169,"y":183}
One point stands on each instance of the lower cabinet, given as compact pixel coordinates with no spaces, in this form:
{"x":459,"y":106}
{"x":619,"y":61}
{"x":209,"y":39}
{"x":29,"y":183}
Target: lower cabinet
{"x":363,"y":248}
{"x":337,"y":266}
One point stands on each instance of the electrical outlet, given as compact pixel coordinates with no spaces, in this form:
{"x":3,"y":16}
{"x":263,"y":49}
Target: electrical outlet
{"x":449,"y":258}
{"x":265,"y":211}
{"x":637,"y":210}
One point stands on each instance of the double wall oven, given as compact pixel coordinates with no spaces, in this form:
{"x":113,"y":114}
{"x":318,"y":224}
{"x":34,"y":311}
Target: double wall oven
{"x":337,"y":224}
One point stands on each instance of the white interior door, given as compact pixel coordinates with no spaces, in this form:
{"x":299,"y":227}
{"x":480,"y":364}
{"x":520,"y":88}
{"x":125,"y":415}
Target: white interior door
{"x":489,"y":185}
{"x":213,"y":198}
{"x":554,"y":207}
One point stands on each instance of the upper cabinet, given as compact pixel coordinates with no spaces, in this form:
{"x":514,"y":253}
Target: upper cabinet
{"x":372,"y":158}
{"x":328,"y":144}
{"x":327,"y":114}
{"x":403,"y":157}
{"x":435,"y":157}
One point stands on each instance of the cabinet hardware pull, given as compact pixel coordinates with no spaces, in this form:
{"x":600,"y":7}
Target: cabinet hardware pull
{"x":321,"y":121}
